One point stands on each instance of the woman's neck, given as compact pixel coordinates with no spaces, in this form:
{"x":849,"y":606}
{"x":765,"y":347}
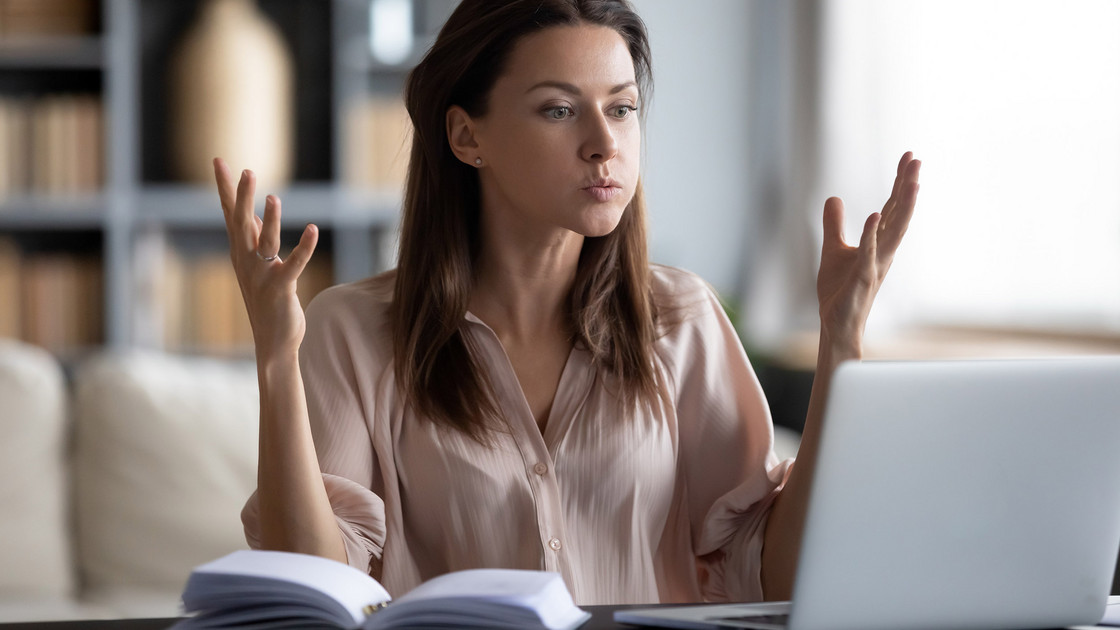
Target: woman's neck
{"x":524,"y":284}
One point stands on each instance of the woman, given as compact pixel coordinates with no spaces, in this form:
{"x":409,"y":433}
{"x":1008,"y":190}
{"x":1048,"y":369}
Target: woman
{"x":525,"y":390}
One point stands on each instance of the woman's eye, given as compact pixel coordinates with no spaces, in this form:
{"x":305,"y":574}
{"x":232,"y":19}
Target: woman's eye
{"x":622,"y":111}
{"x":559,"y":112}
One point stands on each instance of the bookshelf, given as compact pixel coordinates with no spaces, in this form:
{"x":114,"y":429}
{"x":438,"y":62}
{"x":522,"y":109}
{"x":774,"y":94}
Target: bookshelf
{"x":102,"y":245}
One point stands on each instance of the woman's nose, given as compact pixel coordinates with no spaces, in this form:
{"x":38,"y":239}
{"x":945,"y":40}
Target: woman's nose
{"x":601,"y":144}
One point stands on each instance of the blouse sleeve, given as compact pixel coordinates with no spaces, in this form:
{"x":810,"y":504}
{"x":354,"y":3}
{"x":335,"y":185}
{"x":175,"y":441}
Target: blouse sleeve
{"x":729,"y":468}
{"x":342,"y":439}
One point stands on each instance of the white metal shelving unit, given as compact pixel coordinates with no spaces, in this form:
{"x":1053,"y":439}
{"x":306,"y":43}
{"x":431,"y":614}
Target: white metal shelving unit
{"x":136,"y":206}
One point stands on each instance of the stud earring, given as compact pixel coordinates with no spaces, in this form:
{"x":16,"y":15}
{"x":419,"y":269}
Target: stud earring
{"x":478,"y":161}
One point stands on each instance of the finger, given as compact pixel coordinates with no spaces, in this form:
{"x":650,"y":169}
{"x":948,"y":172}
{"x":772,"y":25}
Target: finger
{"x":301,"y":254}
{"x":896,"y":187}
{"x":894,"y":227}
{"x":913,"y":169}
{"x":269,"y":242}
{"x":900,"y":172}
{"x":227,"y":190}
{"x":242,"y":219}
{"x":833,"y":221}
{"x":904,"y":174}
{"x":227,"y":195}
{"x":869,"y":241}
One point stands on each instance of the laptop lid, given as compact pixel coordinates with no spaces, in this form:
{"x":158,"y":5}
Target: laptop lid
{"x":979,"y":494}
{"x":967,"y":494}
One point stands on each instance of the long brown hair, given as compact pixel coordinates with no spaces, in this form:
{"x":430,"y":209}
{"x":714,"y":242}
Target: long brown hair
{"x":610,"y":311}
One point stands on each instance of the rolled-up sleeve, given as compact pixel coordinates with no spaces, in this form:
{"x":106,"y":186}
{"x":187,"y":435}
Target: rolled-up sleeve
{"x":360,"y":515}
{"x":731,"y":537}
{"x":727,"y":462}
{"x":341,"y":435}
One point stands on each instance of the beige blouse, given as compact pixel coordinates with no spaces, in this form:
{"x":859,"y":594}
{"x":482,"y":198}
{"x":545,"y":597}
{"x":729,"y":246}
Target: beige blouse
{"x":668,"y":506}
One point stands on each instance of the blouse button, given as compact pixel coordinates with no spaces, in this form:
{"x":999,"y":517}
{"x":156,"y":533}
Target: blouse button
{"x":554,"y":544}
{"x":540,"y":469}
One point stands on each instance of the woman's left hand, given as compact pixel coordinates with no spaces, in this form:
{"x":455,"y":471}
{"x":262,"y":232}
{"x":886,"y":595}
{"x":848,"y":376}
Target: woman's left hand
{"x":850,"y":277}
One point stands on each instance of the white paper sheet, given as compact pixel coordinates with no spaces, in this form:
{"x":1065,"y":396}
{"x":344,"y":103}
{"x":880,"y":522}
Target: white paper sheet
{"x":1112,"y":613}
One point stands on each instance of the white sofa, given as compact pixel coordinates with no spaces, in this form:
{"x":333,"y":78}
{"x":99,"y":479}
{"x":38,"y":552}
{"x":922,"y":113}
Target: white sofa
{"x":119,"y":478}
{"x":116,"y":482}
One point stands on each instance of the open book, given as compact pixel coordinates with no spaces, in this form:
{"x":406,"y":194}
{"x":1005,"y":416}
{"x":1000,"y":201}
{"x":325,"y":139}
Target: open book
{"x":275,"y":589}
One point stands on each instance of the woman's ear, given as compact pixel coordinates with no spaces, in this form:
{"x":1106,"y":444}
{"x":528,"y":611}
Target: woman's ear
{"x":461,"y":135}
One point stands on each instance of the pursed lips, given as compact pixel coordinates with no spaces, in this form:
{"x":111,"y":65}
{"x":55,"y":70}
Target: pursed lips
{"x":603,"y":189}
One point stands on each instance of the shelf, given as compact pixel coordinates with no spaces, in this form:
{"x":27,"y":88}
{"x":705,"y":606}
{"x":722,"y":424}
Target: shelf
{"x":186,"y":206}
{"x":145,"y":229}
{"x":377,"y":206}
{"x":33,"y":212}
{"x":52,"y":53}
{"x":182,"y":205}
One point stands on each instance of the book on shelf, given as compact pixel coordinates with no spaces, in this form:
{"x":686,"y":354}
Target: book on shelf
{"x":274,"y":589}
{"x":56,"y":297}
{"x":51,"y":144}
{"x":378,"y":141}
{"x":214,"y":306}
{"x":46,"y":132}
{"x":316,"y":276}
{"x":90,"y":144}
{"x":15,"y":145}
{"x":190,"y":300}
{"x":47,"y":18}
{"x":10,"y":316}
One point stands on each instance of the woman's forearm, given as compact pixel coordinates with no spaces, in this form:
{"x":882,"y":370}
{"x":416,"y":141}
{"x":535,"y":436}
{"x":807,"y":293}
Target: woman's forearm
{"x":847,"y":283}
{"x":295,"y":514}
{"x":782,"y":539}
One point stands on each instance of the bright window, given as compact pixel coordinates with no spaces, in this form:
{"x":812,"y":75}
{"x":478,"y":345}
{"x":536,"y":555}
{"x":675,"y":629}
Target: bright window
{"x":1014,"y":108}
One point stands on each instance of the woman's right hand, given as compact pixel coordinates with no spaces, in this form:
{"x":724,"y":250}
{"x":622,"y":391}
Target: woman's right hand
{"x":268,"y":284}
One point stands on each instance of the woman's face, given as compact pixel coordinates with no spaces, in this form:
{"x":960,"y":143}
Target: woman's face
{"x":561,"y":137}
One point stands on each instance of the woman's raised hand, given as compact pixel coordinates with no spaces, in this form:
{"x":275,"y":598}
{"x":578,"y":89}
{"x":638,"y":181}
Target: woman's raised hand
{"x":850,"y":277}
{"x":268,"y":284}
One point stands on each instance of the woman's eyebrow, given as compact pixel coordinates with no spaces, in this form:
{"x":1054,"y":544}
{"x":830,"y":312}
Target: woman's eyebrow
{"x":572,"y":89}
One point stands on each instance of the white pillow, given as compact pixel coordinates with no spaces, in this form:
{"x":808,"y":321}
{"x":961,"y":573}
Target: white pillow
{"x":166,"y":455}
{"x":35,"y":550}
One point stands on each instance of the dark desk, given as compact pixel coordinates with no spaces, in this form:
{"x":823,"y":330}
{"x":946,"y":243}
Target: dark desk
{"x":601,"y":619}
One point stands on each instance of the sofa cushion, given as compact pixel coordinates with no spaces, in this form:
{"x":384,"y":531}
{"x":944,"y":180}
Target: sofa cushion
{"x":35,"y":550}
{"x":165,"y":457}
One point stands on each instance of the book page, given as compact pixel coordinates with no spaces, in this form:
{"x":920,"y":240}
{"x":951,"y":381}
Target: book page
{"x":278,"y":571}
{"x":485,"y":598}
{"x":1112,"y":612}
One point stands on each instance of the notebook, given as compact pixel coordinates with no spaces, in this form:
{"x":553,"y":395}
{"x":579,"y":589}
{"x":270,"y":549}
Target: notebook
{"x":978,"y":494}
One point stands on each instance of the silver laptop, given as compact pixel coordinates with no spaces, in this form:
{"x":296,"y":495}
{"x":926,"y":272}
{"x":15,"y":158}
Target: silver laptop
{"x":957,"y":494}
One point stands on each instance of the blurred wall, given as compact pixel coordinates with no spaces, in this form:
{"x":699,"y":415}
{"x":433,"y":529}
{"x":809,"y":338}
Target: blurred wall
{"x":695,"y":151}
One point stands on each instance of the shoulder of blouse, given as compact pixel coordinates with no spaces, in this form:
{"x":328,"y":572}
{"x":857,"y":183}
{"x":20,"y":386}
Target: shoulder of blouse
{"x":354,"y":314}
{"x":688,"y":321}
{"x":375,"y":292}
{"x":680,"y":297}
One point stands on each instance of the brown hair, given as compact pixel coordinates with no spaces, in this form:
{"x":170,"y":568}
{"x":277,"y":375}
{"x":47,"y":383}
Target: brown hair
{"x":610,"y":311}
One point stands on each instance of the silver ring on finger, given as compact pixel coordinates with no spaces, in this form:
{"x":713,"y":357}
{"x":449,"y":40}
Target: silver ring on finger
{"x":275,"y":256}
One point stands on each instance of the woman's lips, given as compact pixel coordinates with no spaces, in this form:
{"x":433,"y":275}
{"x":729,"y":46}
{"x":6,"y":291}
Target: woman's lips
{"x":603,"y":194}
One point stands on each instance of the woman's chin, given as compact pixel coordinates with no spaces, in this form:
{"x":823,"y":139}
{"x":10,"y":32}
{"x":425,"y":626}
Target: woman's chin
{"x":599,"y":231}
{"x":600,"y":223}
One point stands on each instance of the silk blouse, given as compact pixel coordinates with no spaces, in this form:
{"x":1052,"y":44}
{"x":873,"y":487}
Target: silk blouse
{"x":667,"y":506}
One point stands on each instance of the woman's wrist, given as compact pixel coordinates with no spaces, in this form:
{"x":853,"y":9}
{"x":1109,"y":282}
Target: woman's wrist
{"x":833,"y":351}
{"x":272,"y":364}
